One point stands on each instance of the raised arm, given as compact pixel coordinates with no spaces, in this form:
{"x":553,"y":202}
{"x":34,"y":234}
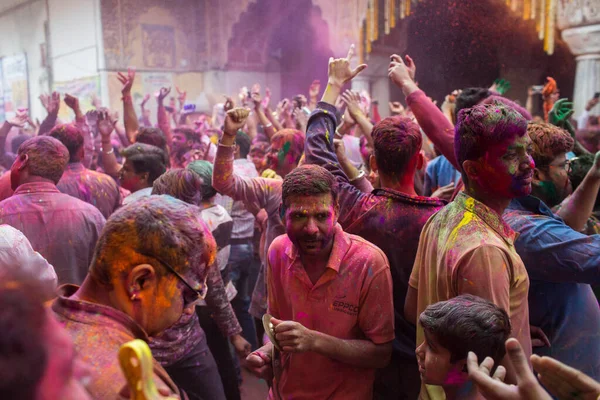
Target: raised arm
{"x":313,"y":94}
{"x":131,"y":121}
{"x":17,"y":121}
{"x":256,"y":193}
{"x":163,"y":117}
{"x":52,"y":105}
{"x":430,"y":118}
{"x":270,"y":130}
{"x":105,"y":129}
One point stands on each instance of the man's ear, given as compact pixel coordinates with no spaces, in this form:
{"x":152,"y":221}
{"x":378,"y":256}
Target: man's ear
{"x":472,"y":169}
{"x":420,"y":160}
{"x":373,"y":163}
{"x":140,"y":278}
{"x":23,"y":162}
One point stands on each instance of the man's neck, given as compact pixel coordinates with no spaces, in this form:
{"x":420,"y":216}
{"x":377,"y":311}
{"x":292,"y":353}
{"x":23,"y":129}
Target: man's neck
{"x":35,"y":179}
{"x":493,"y":201}
{"x":405,"y":185}
{"x":466,"y":391}
{"x":91,"y":292}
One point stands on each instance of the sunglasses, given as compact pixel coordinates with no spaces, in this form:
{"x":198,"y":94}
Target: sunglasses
{"x":190,"y":296}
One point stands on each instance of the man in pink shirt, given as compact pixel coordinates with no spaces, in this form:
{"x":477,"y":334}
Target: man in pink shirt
{"x":330,"y":295}
{"x":63,"y":229}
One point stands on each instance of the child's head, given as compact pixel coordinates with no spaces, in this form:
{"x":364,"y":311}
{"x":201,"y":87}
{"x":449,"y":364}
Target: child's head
{"x":452,"y":329}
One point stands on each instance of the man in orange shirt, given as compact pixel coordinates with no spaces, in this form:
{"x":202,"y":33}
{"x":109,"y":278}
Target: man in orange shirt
{"x":330,"y":294}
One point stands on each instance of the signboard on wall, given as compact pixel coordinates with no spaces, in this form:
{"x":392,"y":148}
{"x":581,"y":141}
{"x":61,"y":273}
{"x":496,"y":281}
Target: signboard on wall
{"x":83,"y":88}
{"x":14,"y":84}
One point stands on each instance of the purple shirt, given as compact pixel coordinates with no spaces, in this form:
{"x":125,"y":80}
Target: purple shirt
{"x":389,"y":219}
{"x":95,"y":188}
{"x":63,"y":229}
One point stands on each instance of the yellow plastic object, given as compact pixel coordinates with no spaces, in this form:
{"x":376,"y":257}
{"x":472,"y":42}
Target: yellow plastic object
{"x":136,"y":362}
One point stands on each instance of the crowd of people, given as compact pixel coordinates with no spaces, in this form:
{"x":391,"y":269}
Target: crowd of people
{"x":437,"y":253}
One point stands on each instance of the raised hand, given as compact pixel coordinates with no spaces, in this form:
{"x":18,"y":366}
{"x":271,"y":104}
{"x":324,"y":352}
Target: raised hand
{"x":45,"y":100}
{"x":235,"y":120}
{"x":564,"y":382}
{"x":340,"y":71}
{"x":353,"y":103}
{"x":229,"y":104}
{"x":104,"y":124}
{"x":301,"y":119}
{"x":267,"y":98}
{"x":412,"y":67}
{"x":396,"y":108}
{"x":501,"y":86}
{"x":494,"y":388}
{"x":181,"y":96}
{"x":256,"y":99}
{"x":20,"y":119}
{"x":444,"y":192}
{"x":145,"y":100}
{"x":71,"y":101}
{"x":162,"y":94}
{"x":96,"y":102}
{"x":340,"y":149}
{"x":398,"y":71}
{"x":126,"y":81}
{"x":560,"y":114}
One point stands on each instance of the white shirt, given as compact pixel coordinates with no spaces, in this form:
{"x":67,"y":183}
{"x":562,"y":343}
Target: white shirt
{"x":16,"y":252}
{"x":140,"y":194}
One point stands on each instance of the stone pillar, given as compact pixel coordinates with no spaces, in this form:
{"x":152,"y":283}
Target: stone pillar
{"x":580,"y":24}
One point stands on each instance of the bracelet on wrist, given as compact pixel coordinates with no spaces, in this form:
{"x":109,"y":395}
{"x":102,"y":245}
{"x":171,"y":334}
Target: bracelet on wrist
{"x":361,"y":173}
{"x":110,"y":151}
{"x":267,"y":126}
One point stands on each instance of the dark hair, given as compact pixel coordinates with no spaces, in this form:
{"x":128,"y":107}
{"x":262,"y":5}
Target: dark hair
{"x":396,"y":140}
{"x":309,"y":180}
{"x":146,"y":158}
{"x":470,"y":97}
{"x":579,"y":169}
{"x":152,"y":136}
{"x":243,"y":140}
{"x":18,"y":141}
{"x":548,"y":141}
{"x":468,"y":323}
{"x":71,"y":136}
{"x":189,"y":133}
{"x":296,"y":140}
{"x":23,"y":352}
{"x":482,"y":127}
{"x":48,"y":157}
{"x":180,"y":183}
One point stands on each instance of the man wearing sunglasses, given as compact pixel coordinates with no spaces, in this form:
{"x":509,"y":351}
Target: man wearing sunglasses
{"x":149,"y":268}
{"x":560,"y":261}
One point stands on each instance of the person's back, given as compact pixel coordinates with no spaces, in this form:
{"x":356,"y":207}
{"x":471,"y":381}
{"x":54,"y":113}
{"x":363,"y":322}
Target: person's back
{"x":63,"y":229}
{"x":95,"y":188}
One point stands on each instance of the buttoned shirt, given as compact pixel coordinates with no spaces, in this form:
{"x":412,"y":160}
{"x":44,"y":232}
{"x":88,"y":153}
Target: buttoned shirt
{"x":98,"y":332}
{"x":95,"y":188}
{"x":351,"y":300}
{"x":63,"y":229}
{"x":466,"y":248}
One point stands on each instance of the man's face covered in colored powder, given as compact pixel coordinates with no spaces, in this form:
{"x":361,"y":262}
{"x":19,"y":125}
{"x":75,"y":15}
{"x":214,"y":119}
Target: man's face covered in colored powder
{"x":310,"y":223}
{"x":507,"y":168}
{"x":435,"y":366}
{"x":554,"y":180}
{"x":280,"y":157}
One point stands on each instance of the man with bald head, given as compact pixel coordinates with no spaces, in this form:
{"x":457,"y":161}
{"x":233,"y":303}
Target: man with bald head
{"x":61,"y":228}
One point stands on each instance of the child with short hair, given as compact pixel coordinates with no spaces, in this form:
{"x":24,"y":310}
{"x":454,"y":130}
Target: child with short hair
{"x":452,"y":329}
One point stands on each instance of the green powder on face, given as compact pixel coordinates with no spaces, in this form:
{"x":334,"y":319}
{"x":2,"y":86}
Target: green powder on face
{"x":284,"y":151}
